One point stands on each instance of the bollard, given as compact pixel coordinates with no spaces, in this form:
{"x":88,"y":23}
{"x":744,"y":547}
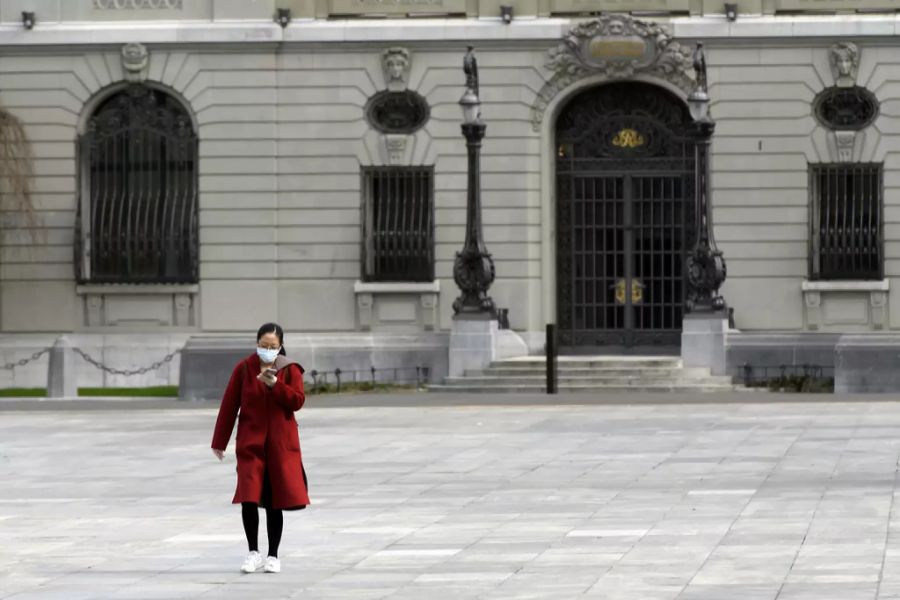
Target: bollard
{"x":551,"y":352}
{"x":62,"y":377}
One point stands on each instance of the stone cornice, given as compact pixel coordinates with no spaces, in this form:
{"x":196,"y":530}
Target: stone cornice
{"x":431,"y":30}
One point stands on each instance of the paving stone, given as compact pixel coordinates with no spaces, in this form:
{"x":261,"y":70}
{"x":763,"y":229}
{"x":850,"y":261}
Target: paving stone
{"x":789,"y":501}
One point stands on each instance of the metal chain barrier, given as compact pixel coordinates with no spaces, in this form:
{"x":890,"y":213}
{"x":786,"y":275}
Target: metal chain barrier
{"x":126,"y":372}
{"x":24,"y":361}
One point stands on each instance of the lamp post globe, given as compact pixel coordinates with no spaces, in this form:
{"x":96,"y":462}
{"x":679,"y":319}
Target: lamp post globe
{"x":471,"y":107}
{"x":698,"y":103}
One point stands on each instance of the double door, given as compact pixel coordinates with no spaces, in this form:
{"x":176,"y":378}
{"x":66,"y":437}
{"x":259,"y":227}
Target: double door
{"x":621,"y":250}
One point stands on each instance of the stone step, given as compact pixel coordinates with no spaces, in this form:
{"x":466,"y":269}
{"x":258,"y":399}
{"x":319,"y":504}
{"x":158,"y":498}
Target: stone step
{"x":592,"y":362}
{"x":589,"y":380}
{"x":525,"y":388}
{"x":590,"y":374}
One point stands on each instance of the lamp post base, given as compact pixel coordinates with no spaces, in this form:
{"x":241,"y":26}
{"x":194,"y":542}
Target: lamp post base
{"x":473,"y":272}
{"x":473,"y":343}
{"x":703,"y":342}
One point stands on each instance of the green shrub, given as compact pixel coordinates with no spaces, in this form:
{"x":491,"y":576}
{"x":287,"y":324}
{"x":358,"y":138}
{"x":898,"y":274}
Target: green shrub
{"x":798,"y":384}
{"x":355,"y":387}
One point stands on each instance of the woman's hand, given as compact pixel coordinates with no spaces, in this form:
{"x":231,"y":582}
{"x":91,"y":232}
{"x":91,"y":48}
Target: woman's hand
{"x":220,"y":454}
{"x":267,"y":378}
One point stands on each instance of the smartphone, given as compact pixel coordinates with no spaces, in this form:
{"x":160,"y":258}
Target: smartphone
{"x":271,"y":371}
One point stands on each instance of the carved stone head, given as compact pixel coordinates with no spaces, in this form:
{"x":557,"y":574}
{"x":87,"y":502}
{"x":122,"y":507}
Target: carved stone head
{"x":616,"y":27}
{"x":396,"y":63}
{"x":135,"y":60}
{"x":844,"y":63}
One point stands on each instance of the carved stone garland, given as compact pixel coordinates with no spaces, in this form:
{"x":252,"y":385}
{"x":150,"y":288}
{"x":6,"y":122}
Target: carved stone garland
{"x":618,"y":47}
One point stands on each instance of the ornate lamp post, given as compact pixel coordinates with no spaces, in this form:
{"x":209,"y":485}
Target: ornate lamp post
{"x":705,"y":264}
{"x":473,"y":269}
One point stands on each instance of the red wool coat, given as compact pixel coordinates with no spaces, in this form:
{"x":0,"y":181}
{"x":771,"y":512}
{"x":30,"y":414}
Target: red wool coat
{"x":268,"y":442}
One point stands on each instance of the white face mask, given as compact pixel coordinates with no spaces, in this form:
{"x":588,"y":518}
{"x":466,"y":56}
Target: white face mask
{"x":267,"y":355}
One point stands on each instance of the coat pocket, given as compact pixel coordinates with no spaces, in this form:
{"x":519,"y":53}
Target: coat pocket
{"x":292,"y":440}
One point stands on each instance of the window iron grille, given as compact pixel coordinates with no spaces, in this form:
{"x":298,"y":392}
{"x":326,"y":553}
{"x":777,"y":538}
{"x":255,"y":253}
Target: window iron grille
{"x":846,"y":234}
{"x":137,"y":219}
{"x":398,"y":223}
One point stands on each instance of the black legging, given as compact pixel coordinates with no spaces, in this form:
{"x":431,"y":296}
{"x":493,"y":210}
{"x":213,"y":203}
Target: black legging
{"x":274,"y":526}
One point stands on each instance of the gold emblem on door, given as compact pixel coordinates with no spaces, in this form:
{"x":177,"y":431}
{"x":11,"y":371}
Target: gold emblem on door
{"x":637,"y":291}
{"x":628,"y":138}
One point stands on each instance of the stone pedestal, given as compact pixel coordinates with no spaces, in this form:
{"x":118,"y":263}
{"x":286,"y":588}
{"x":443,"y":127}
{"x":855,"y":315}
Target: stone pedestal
{"x":473,"y":342}
{"x":867,"y":363}
{"x":703,"y":342}
{"x":62,"y":377}
{"x":207,"y":363}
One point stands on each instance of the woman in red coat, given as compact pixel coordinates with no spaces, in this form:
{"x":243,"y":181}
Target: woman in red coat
{"x":263,"y":393}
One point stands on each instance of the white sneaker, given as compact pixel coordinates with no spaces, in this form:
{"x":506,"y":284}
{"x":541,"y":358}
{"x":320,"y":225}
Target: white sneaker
{"x":252,"y":563}
{"x":273,"y":565}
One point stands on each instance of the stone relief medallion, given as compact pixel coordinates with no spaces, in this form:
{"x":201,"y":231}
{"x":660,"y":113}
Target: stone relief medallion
{"x":135,"y":62}
{"x":397,"y":112}
{"x":618,"y":47}
{"x":845,"y":109}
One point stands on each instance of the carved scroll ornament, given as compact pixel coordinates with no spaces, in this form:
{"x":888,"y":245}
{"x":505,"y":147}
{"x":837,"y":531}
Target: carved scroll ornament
{"x":617,"y":47}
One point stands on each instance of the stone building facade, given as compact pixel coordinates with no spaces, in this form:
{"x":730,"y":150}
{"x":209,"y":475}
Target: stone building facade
{"x":286,"y":134}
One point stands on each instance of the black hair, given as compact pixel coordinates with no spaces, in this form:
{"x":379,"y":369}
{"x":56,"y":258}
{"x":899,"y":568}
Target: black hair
{"x":272,"y":328}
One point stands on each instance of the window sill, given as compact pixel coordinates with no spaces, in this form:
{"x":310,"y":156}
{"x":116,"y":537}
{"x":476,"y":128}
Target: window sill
{"x":397,"y":305}
{"x":132,"y":289}
{"x":114,"y":306}
{"x":398,"y":287}
{"x":847,"y":286}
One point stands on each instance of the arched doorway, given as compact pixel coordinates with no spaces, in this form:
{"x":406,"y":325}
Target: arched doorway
{"x":624,"y":202}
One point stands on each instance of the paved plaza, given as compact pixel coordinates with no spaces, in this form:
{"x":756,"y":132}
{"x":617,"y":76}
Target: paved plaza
{"x":731,"y":501}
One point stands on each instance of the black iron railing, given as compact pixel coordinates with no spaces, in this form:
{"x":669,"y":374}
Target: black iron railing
{"x":398,"y":223}
{"x":800,"y":378}
{"x":847,"y":234}
{"x":366,"y":379}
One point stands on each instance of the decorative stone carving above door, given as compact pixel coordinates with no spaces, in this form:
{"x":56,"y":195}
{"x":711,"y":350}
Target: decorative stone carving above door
{"x":618,"y":47}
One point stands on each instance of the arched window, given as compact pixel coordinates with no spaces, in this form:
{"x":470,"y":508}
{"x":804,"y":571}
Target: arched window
{"x":138,"y":212}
